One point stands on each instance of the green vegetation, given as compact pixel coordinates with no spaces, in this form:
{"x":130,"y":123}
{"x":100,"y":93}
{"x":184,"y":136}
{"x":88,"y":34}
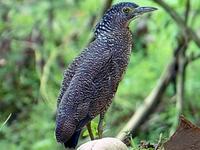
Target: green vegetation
{"x":38,"y":39}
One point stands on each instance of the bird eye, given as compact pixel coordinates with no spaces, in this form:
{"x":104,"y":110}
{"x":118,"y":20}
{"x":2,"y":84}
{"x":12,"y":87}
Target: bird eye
{"x":126,"y":10}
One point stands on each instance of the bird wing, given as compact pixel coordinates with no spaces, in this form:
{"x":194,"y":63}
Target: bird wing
{"x":68,"y":75}
{"x":76,"y":99}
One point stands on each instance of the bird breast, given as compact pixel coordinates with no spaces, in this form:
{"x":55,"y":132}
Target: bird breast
{"x":108,"y":79}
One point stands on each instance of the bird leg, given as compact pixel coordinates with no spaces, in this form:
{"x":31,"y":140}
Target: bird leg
{"x":90,"y":131}
{"x":100,"y":125}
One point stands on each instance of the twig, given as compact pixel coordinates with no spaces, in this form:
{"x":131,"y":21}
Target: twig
{"x":180,"y":82}
{"x":51,"y":16}
{"x":5,"y":122}
{"x":181,"y":73}
{"x":159,"y":143}
{"x":179,"y":21}
{"x":187,"y":11}
{"x":192,"y":58}
{"x":149,"y":104}
{"x":195,"y":14}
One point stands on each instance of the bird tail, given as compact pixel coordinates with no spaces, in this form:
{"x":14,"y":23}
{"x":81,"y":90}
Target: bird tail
{"x":65,"y":128}
{"x":73,"y":141}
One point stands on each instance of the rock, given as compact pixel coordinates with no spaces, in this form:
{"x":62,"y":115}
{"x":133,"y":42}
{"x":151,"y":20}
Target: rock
{"x":104,"y":144}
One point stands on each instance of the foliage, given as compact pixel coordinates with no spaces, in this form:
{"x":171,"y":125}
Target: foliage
{"x":38,"y":39}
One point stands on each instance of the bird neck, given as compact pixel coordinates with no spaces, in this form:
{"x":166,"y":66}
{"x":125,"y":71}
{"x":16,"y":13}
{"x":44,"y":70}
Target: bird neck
{"x":109,"y":25}
{"x":103,"y":31}
{"x":114,"y":35}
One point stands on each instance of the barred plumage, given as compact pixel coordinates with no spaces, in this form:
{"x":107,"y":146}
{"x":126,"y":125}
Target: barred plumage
{"x":91,"y":81}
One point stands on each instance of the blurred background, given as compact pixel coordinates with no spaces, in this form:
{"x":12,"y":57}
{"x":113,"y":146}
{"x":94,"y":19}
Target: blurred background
{"x":39,"y":39}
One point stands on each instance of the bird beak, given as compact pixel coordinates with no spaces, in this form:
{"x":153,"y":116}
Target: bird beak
{"x":141,"y":10}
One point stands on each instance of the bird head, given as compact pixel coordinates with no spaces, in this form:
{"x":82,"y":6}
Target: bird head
{"x":120,"y":15}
